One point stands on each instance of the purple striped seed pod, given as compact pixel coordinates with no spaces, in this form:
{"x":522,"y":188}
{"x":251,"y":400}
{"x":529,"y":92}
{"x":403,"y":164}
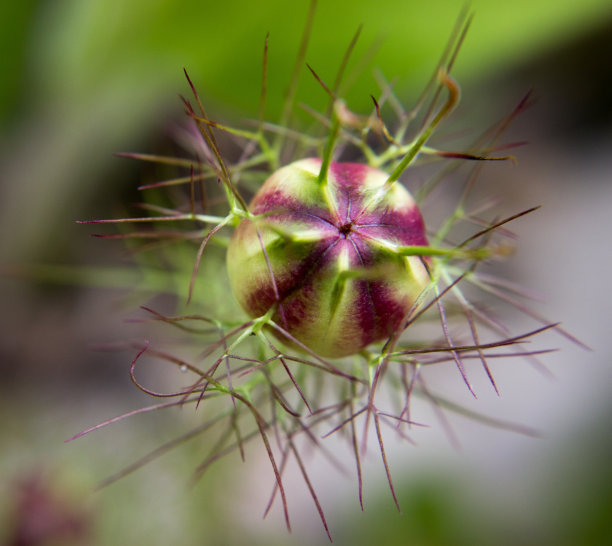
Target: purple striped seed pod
{"x":331,"y":274}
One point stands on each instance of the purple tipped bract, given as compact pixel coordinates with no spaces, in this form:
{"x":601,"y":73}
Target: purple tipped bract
{"x":326,"y":256}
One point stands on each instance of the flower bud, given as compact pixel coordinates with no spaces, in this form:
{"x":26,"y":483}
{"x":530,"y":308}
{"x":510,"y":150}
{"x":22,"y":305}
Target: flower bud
{"x":324,"y":255}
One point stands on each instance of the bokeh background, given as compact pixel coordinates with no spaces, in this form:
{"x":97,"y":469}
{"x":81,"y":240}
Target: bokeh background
{"x":83,"y":79}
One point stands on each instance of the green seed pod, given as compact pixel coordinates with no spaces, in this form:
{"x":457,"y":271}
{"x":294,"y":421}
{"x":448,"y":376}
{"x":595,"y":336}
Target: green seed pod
{"x":322,"y":255}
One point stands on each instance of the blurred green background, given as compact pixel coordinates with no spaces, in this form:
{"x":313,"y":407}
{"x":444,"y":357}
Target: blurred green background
{"x":84,"y":79}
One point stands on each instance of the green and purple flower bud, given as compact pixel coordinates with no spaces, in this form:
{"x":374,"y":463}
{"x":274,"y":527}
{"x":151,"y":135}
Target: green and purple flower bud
{"x":321,"y":252}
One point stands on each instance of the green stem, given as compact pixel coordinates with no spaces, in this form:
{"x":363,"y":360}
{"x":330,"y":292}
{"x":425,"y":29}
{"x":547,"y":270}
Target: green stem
{"x":328,"y":152}
{"x":453,"y":99}
{"x":462,"y":253}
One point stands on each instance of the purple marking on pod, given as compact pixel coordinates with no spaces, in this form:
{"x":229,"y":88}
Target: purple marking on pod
{"x":329,"y":266}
